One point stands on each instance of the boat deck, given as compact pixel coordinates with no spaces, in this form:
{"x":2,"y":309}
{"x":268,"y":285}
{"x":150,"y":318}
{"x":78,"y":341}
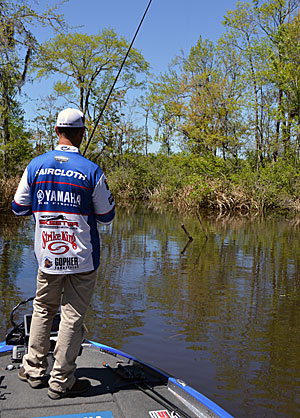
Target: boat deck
{"x":131,"y":391}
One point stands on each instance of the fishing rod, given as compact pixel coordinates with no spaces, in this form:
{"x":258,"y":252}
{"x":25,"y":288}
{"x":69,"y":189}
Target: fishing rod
{"x":133,"y":380}
{"x":116,"y":79}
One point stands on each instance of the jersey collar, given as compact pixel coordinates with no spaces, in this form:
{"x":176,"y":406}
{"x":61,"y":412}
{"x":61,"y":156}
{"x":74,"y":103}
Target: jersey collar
{"x":68,"y":148}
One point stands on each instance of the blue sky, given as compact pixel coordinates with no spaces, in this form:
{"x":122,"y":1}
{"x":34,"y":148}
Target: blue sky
{"x":169,"y":27}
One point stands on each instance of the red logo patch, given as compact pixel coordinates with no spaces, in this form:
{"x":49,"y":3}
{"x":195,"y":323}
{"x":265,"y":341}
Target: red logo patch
{"x":162,"y":414}
{"x":58,"y":248}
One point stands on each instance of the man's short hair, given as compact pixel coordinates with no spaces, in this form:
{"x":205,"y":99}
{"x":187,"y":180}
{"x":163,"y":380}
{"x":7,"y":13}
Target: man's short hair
{"x":69,"y":133}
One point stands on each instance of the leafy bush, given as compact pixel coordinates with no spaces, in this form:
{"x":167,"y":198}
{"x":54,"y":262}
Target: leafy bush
{"x":189,"y":183}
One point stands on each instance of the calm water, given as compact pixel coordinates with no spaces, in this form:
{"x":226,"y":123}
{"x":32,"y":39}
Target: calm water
{"x":223,"y":314}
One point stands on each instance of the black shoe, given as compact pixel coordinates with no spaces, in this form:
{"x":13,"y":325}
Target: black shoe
{"x":34,"y":382}
{"x":80,"y":386}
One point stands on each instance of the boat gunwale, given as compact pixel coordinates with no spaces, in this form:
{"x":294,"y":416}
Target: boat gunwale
{"x":206,"y":402}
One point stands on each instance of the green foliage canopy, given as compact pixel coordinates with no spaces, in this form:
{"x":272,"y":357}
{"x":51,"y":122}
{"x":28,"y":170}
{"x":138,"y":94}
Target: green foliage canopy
{"x":86,"y":66}
{"x":17,"y":46}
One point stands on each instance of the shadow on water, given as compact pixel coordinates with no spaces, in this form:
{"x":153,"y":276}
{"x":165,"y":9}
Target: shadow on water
{"x":222,"y":312}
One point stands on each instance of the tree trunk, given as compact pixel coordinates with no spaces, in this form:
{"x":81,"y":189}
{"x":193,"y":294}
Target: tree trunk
{"x":5,"y":127}
{"x":277,"y":126}
{"x":146,"y":132}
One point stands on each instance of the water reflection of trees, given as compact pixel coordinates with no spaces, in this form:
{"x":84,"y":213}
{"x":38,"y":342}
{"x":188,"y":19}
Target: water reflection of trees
{"x":237,"y":296}
{"x":234,"y":296}
{"x":14,"y":238}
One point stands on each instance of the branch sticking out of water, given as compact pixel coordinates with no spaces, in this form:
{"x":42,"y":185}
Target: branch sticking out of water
{"x":185,"y":230}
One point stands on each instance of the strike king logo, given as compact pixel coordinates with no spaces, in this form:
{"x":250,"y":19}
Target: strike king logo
{"x":58,"y":243}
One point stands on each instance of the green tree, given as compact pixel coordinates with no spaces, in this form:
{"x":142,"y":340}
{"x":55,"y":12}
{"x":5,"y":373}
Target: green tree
{"x":164,"y":103}
{"x":45,"y":120}
{"x":284,"y":73}
{"x":17,"y":45}
{"x":243,"y":36}
{"x":198,"y":101}
{"x":257,"y":31}
{"x":272,"y":18}
{"x":210,"y":78}
{"x":86,"y":66}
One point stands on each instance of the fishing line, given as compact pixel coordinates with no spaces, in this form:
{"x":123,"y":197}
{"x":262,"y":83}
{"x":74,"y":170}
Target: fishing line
{"x":117,"y":76}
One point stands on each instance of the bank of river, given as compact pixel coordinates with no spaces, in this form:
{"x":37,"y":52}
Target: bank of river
{"x":222,"y":313}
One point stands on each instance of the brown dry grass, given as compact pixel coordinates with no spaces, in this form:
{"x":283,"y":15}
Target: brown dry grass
{"x":8,"y":187}
{"x":223,"y":198}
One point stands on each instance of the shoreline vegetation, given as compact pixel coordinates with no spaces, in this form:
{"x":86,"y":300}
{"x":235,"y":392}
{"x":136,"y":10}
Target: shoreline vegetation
{"x":191,"y":184}
{"x":224,"y":116}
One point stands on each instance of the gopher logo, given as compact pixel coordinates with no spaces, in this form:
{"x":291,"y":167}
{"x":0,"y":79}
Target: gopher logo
{"x":48,"y":262}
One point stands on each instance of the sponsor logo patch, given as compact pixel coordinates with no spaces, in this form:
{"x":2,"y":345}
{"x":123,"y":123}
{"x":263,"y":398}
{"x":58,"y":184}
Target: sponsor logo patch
{"x":163,"y":414}
{"x":60,"y":172}
{"x":58,"y":242}
{"x":111,"y":199}
{"x":61,"y":159}
{"x":66,"y":263}
{"x":58,"y":197}
{"x":48,"y":263}
{"x":40,"y":196}
{"x":57,"y":222}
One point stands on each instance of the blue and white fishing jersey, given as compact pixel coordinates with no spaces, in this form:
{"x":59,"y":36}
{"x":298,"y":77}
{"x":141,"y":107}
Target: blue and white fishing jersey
{"x":67,"y":195}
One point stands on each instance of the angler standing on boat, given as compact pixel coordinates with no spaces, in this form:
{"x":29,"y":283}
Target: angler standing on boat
{"x":67,"y":195}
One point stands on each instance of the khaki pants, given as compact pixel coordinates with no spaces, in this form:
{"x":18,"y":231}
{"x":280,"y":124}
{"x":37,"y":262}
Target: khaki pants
{"x":77,"y":293}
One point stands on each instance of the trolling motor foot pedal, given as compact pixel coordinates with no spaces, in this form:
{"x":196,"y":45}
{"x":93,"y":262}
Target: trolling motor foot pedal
{"x":18,"y":352}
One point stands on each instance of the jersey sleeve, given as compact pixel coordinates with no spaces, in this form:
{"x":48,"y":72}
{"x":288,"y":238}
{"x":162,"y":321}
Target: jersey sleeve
{"x":21,"y":204}
{"x":103,"y":202}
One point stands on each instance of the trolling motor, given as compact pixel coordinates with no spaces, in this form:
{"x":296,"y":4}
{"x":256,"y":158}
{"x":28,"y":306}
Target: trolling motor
{"x":19,"y":335}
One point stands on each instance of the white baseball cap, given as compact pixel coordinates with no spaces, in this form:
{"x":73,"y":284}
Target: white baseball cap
{"x":70,"y":118}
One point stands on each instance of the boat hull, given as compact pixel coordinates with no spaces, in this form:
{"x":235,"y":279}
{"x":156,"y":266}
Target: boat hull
{"x":122,"y":387}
